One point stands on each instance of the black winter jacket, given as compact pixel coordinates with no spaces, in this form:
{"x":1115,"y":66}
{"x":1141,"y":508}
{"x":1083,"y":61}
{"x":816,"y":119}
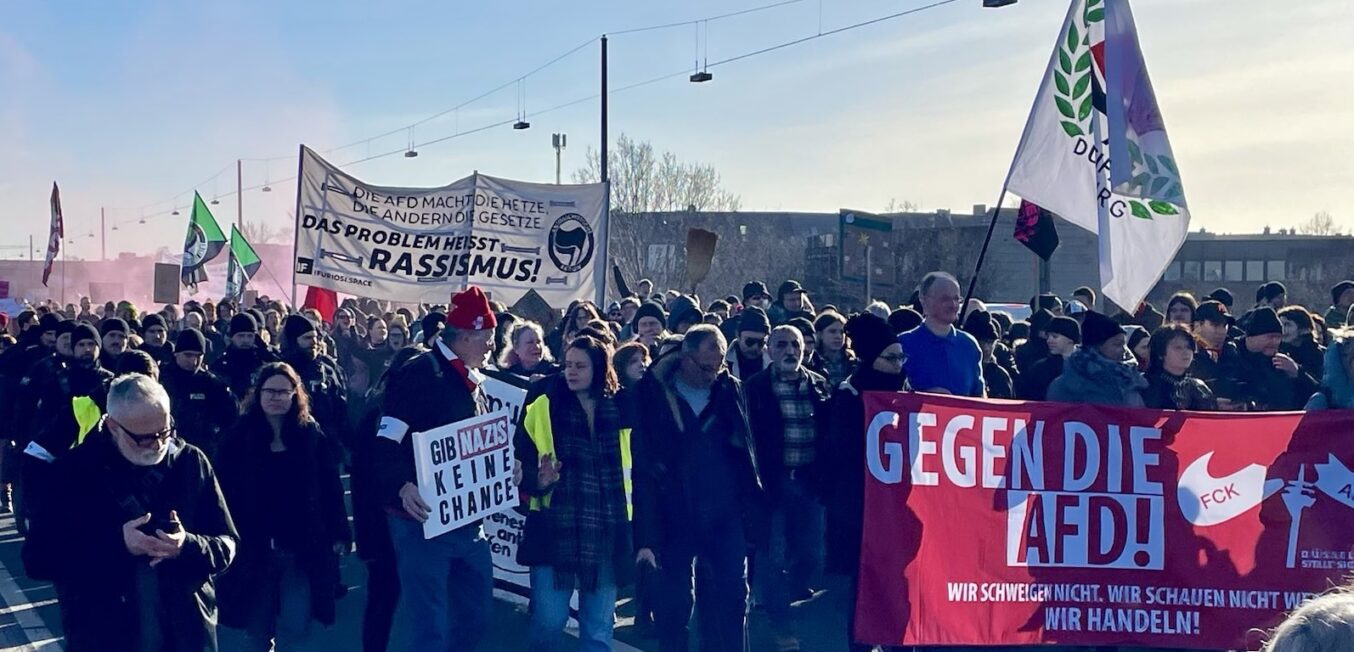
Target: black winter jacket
{"x":661,"y":501}
{"x":768,"y":429}
{"x":78,"y":545}
{"x":317,"y":505}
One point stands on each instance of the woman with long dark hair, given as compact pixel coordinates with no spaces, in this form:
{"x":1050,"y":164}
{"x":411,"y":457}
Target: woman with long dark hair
{"x":574,"y":454}
{"x":281,"y":480}
{"x":1169,"y":383}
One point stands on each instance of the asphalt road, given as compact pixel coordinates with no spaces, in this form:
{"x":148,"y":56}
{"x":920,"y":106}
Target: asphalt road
{"x":30,"y":618}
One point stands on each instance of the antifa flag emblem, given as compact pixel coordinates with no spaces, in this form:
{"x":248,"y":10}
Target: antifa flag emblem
{"x":1035,"y":229}
{"x":571,"y":243}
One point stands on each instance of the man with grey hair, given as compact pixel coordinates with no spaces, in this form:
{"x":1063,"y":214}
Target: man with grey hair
{"x":788,"y":408}
{"x":939,"y":357}
{"x":695,"y":483}
{"x":133,"y":531}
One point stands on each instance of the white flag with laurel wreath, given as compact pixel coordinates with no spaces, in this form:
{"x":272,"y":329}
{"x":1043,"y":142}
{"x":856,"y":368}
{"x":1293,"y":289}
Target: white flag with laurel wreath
{"x":1095,"y":150}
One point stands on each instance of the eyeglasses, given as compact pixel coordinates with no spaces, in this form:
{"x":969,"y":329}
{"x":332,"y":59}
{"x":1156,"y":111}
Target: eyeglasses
{"x":753,"y":342}
{"x":284,"y":394}
{"x":141,"y":440}
{"x":896,"y":358}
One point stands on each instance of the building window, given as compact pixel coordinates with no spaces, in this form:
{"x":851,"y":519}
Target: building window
{"x":1255,"y":270}
{"x":1276,"y":271}
{"x":1192,"y":271}
{"x":1235,"y":270}
{"x":1173,"y":271}
{"x":1212,"y":270}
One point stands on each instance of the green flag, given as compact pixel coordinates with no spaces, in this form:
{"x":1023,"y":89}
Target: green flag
{"x":203,"y":243}
{"x":242,"y":263}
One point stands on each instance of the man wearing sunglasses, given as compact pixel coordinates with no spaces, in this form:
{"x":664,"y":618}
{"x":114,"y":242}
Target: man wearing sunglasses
{"x":747,"y":356}
{"x":133,"y":531}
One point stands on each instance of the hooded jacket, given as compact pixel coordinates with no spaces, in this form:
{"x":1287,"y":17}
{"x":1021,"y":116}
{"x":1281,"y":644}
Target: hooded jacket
{"x":1089,"y":377}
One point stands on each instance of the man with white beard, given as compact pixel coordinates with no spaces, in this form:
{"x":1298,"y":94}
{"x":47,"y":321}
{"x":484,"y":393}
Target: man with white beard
{"x":133,"y":531}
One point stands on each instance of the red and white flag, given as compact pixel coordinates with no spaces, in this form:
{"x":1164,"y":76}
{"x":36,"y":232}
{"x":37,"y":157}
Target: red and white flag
{"x":58,"y":231}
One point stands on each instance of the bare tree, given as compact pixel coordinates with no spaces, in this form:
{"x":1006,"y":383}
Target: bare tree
{"x":260,"y":232}
{"x":905,"y":206}
{"x":645,"y":182}
{"x":1323,"y":223}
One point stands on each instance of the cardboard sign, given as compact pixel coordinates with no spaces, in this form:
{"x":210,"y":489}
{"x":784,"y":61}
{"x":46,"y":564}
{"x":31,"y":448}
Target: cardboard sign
{"x":1090,"y":525}
{"x":166,"y":283}
{"x":465,"y":471}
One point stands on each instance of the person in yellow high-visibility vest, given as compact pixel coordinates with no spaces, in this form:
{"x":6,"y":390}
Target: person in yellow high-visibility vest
{"x":573,"y":452}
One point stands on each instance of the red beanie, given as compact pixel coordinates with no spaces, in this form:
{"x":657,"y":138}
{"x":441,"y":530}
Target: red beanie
{"x":470,"y":311}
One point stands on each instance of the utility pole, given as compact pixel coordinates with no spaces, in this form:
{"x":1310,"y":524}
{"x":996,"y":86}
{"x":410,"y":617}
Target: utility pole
{"x":558,"y":141}
{"x":239,"y":194}
{"x":103,"y":235}
{"x":605,"y":178}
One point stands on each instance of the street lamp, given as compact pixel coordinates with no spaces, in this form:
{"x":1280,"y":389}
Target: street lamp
{"x":559,"y":142}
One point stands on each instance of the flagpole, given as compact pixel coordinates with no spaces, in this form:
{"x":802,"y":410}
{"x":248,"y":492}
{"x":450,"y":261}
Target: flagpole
{"x":982,"y":254}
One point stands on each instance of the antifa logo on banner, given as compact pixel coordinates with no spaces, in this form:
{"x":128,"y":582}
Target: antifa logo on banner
{"x":195,"y":245}
{"x":571,"y":242}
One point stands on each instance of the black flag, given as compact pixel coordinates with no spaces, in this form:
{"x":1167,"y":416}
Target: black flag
{"x":1035,"y":229}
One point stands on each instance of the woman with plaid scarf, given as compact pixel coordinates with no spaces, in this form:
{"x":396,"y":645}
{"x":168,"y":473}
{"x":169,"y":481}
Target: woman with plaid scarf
{"x":573,"y":453}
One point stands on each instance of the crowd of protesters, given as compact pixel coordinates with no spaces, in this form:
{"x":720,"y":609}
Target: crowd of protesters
{"x":145,"y":454}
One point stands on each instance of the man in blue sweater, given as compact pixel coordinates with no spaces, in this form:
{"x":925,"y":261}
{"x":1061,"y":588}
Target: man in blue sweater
{"x":939,"y":357}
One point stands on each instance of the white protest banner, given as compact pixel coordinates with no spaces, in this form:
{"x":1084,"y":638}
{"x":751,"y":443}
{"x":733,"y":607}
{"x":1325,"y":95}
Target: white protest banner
{"x":465,"y":471}
{"x":418,"y":245}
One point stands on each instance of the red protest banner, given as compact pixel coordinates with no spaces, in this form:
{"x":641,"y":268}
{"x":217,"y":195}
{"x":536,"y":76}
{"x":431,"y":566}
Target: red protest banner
{"x":1009,"y":523}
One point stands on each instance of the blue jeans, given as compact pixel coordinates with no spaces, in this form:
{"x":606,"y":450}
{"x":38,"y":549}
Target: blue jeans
{"x":719,"y":558}
{"x":550,"y":612}
{"x":446,"y":583}
{"x":793,"y":555}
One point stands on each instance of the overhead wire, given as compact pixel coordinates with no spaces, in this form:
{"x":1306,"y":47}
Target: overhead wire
{"x":557,"y":107}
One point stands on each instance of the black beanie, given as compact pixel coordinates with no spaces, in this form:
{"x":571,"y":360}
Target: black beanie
{"x":651,"y":309}
{"x":804,"y":326}
{"x":293,"y":327}
{"x":1261,"y":321}
{"x":1270,"y":290}
{"x":190,"y":340}
{"x":1066,"y":327}
{"x":979,"y":324}
{"x":870,"y":335}
{"x":432,"y":324}
{"x":1096,"y":329}
{"x":684,"y":308}
{"x":1339,"y":289}
{"x":1222,"y":295}
{"x":48,"y":322}
{"x":65,"y":327}
{"x":1039,"y":321}
{"x":112,"y":325}
{"x":903,"y":320}
{"x":754,"y":319}
{"x":243,"y":323}
{"x":1136,"y":334}
{"x":83,"y":332}
{"x":153,"y":319}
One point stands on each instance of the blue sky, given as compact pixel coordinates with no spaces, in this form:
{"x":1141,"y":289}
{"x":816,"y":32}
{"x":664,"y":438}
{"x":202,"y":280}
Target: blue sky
{"x":126,"y":104}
